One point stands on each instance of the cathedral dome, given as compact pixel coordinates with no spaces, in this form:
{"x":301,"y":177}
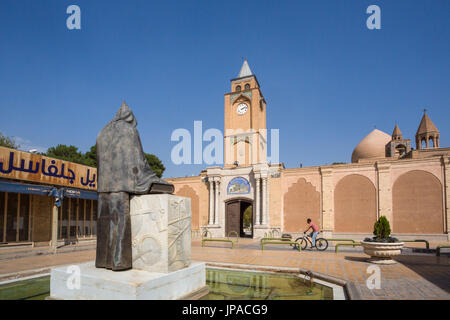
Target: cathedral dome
{"x":372,"y":146}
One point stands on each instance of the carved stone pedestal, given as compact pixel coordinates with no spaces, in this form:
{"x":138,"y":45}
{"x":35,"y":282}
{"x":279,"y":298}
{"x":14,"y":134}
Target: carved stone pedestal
{"x":160,"y":232}
{"x":161,"y":253}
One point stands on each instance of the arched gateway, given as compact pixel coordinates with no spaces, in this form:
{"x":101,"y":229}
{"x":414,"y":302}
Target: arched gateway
{"x":239,"y":217}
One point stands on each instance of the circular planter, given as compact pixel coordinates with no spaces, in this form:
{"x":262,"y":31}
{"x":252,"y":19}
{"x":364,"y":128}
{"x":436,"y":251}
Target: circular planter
{"x":381,"y":252}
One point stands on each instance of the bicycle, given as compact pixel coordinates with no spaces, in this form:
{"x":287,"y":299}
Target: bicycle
{"x":321,"y":243}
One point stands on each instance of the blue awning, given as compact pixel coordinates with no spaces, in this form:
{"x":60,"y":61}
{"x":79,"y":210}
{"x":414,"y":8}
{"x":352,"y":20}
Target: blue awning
{"x":82,"y":194}
{"x":45,"y":190}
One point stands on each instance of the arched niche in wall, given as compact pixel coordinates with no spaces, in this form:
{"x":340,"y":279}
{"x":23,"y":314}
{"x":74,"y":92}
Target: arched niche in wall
{"x":301,"y":201}
{"x":355,"y":207}
{"x":417,"y":203}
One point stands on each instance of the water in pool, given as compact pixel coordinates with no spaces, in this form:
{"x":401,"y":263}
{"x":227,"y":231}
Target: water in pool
{"x":247,"y":285}
{"x":31,"y":289}
{"x":223,"y":283}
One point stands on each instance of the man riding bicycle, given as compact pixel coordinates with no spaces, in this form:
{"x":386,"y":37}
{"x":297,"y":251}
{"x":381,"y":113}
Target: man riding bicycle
{"x":314,"y":233}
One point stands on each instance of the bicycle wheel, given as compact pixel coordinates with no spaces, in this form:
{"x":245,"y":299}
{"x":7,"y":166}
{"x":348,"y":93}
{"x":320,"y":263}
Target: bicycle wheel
{"x":321,"y":244}
{"x":292,"y":245}
{"x":303,"y":243}
{"x":295,"y":246}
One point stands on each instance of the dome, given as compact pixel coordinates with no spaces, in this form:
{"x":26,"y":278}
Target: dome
{"x":372,"y":146}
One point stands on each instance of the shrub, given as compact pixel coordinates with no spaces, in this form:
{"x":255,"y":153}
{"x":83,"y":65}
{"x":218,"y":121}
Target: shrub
{"x":382,"y":228}
{"x":382,"y":231}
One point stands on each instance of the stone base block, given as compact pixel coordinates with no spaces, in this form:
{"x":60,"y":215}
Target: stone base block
{"x":102,"y":284}
{"x":160,"y":232}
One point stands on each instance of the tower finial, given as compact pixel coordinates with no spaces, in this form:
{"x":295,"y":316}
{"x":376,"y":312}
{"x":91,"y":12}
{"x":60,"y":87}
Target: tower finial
{"x":245,"y":70}
{"x":397,"y":134}
{"x":427,"y":131}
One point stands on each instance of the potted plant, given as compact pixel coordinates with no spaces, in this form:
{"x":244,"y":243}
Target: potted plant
{"x":382,"y":247}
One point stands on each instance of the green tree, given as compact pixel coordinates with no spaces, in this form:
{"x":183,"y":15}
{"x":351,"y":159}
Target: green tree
{"x":64,"y":152}
{"x":71,"y":153}
{"x":8,"y":142}
{"x":247,"y":217}
{"x":90,"y":157}
{"x":156,"y":164}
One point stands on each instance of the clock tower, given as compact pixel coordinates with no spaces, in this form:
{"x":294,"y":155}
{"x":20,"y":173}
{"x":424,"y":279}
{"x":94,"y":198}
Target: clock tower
{"x":245,"y":121}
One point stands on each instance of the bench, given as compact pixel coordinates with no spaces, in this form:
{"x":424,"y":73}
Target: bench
{"x":218,"y":240}
{"x":346,"y":244}
{"x":275,"y":239}
{"x":427,"y":244}
{"x":204,"y":239}
{"x":438,"y":249}
{"x":265,"y":242}
{"x":350,"y":240}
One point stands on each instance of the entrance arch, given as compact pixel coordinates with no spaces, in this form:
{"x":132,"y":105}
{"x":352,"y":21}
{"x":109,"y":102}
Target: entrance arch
{"x":239,"y":217}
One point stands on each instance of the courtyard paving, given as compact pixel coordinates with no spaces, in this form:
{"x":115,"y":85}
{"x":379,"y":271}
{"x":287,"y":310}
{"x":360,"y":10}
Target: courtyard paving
{"x":415,"y":276}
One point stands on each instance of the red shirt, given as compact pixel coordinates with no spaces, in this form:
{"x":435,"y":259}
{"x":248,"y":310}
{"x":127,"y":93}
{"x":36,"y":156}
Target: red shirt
{"x":314,"y":227}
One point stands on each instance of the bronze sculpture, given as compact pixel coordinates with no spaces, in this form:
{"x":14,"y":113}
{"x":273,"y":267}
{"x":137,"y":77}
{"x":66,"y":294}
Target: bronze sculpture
{"x":122,"y":171}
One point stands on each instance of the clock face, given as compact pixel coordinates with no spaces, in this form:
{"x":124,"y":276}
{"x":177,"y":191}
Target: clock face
{"x":242,"y":108}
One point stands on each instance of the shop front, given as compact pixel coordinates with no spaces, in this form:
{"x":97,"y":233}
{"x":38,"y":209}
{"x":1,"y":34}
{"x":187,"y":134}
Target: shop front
{"x":44,"y":199}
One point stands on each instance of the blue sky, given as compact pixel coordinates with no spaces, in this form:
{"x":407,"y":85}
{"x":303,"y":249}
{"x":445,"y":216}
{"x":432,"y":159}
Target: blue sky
{"x":327,"y":79}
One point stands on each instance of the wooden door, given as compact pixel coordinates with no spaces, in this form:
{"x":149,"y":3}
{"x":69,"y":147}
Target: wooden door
{"x":233,"y":217}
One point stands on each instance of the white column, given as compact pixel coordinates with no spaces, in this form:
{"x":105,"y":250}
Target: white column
{"x":447,"y":195}
{"x":216,"y":211}
{"x":267,"y":202}
{"x":385,"y":193}
{"x":211,"y":202}
{"x":327,"y":201}
{"x":54,"y":242}
{"x":264,"y":201}
{"x":258,"y":201}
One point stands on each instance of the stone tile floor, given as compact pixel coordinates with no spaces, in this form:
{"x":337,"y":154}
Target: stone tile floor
{"x":415,"y":276}
{"x":14,"y":252}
